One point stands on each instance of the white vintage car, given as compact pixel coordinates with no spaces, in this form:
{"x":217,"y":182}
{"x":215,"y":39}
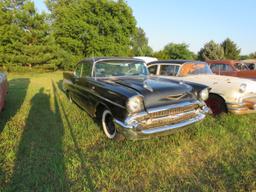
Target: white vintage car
{"x":233,"y":94}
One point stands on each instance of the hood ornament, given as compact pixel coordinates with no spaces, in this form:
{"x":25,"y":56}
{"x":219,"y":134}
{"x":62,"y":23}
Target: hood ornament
{"x":176,"y":97}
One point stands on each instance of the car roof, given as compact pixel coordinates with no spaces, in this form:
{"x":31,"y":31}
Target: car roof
{"x":229,"y":62}
{"x":175,"y":62}
{"x":96,"y":59}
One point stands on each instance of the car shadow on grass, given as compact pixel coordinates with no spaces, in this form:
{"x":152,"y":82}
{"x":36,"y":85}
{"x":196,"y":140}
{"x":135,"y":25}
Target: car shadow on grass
{"x":39,"y":164}
{"x":16,"y":95}
{"x":60,"y":83}
{"x":85,"y":168}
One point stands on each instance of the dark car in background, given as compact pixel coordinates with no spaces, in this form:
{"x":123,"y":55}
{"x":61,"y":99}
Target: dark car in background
{"x":120,"y":93}
{"x":3,"y":89}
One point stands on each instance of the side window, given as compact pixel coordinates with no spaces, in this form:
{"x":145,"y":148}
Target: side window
{"x":238,"y":66}
{"x":217,"y":67}
{"x":153,"y":69}
{"x":169,"y":70}
{"x":87,"y":69}
{"x":242,"y":66}
{"x":78,"y":70}
{"x":227,"y":68}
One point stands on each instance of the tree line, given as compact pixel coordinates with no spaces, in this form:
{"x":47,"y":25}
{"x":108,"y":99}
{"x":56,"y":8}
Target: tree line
{"x":228,"y":49}
{"x":72,"y":30}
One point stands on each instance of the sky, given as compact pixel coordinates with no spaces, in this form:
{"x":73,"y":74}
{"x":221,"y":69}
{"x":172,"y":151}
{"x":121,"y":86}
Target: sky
{"x":194,"y":22}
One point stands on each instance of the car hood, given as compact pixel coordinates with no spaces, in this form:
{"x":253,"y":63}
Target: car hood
{"x":157,"y":91}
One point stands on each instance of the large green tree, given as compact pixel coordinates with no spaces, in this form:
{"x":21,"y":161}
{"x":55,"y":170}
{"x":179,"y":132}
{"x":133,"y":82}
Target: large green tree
{"x":25,"y":37}
{"x":175,"y":51}
{"x":231,"y":51}
{"x":140,"y":45}
{"x":211,"y":51}
{"x":92,"y":28}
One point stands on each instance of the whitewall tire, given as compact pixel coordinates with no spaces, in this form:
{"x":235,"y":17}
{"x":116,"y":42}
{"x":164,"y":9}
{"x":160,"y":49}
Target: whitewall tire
{"x":108,"y":124}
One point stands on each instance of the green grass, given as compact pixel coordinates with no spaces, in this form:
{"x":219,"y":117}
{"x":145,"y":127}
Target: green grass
{"x":49,"y":144}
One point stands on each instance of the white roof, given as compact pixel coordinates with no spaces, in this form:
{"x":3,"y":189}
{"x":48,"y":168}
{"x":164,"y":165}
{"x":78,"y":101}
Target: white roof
{"x":146,"y":59}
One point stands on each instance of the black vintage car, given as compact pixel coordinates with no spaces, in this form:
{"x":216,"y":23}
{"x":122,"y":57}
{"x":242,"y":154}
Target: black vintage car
{"x":120,"y":93}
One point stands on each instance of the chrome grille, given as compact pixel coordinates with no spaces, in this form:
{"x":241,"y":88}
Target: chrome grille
{"x":173,"y":111}
{"x":168,"y":121}
{"x":168,"y":117}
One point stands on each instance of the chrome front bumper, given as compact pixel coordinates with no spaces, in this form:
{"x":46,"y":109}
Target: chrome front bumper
{"x":247,"y":106}
{"x":134,"y":128}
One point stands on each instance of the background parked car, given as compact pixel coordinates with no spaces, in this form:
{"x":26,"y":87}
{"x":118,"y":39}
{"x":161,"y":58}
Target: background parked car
{"x":251,"y":63}
{"x":231,"y":68}
{"x":236,"y":95}
{"x":120,"y":93}
{"x":3,"y":89}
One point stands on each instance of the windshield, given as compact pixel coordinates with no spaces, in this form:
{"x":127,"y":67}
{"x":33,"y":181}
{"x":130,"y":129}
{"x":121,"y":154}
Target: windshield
{"x":120,"y":68}
{"x":195,"y":69}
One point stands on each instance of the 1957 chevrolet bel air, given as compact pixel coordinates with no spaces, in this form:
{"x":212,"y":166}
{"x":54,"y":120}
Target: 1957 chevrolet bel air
{"x":236,"y":95}
{"x":120,"y":93}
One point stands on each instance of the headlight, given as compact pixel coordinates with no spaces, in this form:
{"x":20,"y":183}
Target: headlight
{"x":135,"y":104}
{"x":204,"y":94}
{"x":242,"y":88}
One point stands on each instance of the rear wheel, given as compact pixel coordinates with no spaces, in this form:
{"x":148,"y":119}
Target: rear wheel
{"x":108,"y":124}
{"x":217,"y":104}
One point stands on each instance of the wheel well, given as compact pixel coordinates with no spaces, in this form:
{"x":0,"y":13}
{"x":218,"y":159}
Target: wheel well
{"x":99,"y":110}
{"x":220,"y":97}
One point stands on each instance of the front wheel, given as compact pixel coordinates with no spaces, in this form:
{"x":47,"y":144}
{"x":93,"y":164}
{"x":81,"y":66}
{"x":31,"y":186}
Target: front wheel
{"x":216,"y":104}
{"x":108,"y":124}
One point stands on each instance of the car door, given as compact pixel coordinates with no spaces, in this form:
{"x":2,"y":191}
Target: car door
{"x":85,"y":85}
{"x":74,"y":89}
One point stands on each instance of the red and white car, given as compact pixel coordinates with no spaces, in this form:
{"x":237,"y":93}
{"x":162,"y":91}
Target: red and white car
{"x":3,"y":89}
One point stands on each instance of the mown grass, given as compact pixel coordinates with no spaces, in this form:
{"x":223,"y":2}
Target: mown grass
{"x":49,"y":144}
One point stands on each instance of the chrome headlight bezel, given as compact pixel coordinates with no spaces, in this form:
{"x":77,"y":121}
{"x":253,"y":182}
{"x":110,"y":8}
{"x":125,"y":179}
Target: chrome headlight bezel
{"x":242,"y":88}
{"x":204,"y":94}
{"x":135,"y":104}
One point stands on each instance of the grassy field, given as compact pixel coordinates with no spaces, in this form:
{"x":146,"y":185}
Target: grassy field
{"x":49,"y":144}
